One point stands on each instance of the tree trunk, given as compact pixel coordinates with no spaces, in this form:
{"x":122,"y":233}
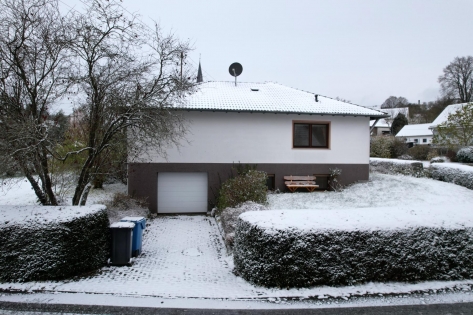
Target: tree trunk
{"x":85,"y":195}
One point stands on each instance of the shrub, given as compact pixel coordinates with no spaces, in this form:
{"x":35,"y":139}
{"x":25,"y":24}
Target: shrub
{"x":380,"y":146}
{"x":398,"y":148}
{"x":405,"y":157}
{"x":123,"y":205}
{"x":465,"y":155}
{"x":229,"y":218}
{"x":394,"y":167}
{"x":445,"y":173}
{"x":419,"y":152}
{"x":438,"y":159}
{"x":36,"y":247}
{"x":249,"y":185}
{"x":302,"y":257}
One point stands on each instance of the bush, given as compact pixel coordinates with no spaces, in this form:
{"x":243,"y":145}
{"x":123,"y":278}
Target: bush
{"x":249,"y":185}
{"x":123,"y":205}
{"x":438,"y":159}
{"x":394,"y":167}
{"x":380,"y":146}
{"x":398,"y":148}
{"x":229,"y":218}
{"x":465,"y":155}
{"x":405,"y":157}
{"x":462,"y":177}
{"x":292,"y":257}
{"x":35,"y":248}
{"x":419,"y":152}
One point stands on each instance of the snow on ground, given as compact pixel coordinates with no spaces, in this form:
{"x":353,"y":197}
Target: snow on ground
{"x":184,"y":257}
{"x":381,"y":191}
{"x":19,"y":192}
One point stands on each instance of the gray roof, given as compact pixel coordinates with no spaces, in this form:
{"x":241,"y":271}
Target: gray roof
{"x":269,"y":97}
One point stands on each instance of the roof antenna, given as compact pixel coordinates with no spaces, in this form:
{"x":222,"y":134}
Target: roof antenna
{"x":235,"y":70}
{"x":316,"y":97}
{"x":200,"y":77}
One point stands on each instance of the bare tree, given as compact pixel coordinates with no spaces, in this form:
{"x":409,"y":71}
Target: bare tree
{"x":131,"y":80}
{"x":33,"y":41}
{"x":457,"y":79}
{"x":395,"y":102}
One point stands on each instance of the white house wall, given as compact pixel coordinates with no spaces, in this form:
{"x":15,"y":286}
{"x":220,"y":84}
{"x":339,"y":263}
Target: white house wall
{"x":219,"y":137}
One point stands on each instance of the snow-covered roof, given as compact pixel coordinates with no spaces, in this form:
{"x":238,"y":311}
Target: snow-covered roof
{"x":415,"y":130}
{"x":443,"y":116}
{"x":268,"y":97}
{"x":392,"y":113}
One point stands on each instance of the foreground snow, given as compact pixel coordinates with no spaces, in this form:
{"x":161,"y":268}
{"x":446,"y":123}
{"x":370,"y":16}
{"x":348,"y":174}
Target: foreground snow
{"x":184,"y":263}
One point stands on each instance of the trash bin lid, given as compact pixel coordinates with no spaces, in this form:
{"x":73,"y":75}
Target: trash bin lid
{"x":132,"y":219}
{"x":137,"y":220}
{"x":122,"y":225}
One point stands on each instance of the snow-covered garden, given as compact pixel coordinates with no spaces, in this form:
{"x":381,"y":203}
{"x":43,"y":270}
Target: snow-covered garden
{"x":185,"y":257}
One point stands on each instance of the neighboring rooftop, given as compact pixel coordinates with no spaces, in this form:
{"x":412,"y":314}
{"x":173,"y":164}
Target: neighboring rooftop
{"x":415,"y":130}
{"x":392,"y":113}
{"x":443,"y":116}
{"x":269,"y":97}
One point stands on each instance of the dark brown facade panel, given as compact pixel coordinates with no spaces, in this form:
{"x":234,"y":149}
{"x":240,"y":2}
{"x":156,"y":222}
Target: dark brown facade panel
{"x":143,"y":177}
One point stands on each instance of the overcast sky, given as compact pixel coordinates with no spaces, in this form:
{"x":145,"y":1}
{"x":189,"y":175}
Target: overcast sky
{"x":361,"y":50}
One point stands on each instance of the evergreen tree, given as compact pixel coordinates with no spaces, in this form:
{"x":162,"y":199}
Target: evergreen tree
{"x":399,"y":122}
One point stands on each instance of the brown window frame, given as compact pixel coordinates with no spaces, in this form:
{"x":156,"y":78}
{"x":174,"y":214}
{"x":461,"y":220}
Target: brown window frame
{"x":310,"y":123}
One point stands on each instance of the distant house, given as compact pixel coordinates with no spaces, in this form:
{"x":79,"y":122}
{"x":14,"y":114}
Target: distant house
{"x":383,"y":125}
{"x":284,"y":131}
{"x":443,"y":116}
{"x":416,"y":134}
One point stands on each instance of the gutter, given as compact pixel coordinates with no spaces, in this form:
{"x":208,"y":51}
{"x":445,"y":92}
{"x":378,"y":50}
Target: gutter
{"x":287,"y":113}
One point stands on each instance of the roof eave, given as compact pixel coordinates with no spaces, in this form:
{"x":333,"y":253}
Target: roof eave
{"x":372,"y":117}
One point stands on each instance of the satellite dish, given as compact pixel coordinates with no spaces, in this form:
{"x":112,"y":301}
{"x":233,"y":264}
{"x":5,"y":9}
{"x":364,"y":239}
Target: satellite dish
{"x":235,"y":70}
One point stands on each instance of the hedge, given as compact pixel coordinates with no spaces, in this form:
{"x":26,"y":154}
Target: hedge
{"x":393,"y":166}
{"x":49,"y":243}
{"x":296,"y":257}
{"x":460,"y":174}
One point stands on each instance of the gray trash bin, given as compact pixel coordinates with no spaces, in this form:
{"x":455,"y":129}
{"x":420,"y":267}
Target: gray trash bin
{"x":122,"y":237}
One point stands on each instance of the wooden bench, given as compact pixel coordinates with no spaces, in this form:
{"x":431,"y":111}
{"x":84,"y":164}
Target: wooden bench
{"x":294,"y":182}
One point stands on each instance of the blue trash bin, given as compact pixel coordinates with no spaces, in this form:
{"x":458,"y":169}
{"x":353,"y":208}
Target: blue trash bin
{"x":140,"y":225}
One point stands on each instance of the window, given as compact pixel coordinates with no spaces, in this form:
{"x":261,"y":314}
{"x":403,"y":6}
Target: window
{"x":424,"y":140}
{"x":416,"y":140}
{"x":310,"y":135}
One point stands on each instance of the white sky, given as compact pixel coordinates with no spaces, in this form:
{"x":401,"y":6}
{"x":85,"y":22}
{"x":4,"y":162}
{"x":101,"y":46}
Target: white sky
{"x":360,"y":50}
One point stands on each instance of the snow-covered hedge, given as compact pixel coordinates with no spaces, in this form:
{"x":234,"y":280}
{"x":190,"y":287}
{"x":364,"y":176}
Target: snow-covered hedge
{"x":46,"y":243}
{"x":453,"y":173}
{"x":396,"y":166}
{"x":465,"y":155}
{"x":303,"y":248}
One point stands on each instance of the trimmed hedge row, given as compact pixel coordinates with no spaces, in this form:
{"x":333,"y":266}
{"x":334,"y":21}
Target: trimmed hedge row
{"x":453,"y":175}
{"x":292,"y":258}
{"x":414,"y":168}
{"x":33,"y":250}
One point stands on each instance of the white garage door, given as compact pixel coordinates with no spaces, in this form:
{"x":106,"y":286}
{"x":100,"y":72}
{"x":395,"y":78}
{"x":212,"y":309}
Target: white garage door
{"x":182,"y":192}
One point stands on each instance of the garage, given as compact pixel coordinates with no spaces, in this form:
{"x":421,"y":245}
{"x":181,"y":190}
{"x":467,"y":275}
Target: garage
{"x":182,"y":192}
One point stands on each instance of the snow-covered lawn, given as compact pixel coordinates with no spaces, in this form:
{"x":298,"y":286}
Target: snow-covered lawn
{"x":381,"y":191}
{"x":184,"y":256}
{"x":19,"y":192}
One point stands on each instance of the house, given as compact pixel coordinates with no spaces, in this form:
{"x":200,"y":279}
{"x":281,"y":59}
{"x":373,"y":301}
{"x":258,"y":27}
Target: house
{"x":443,"y":116}
{"x":383,"y":125}
{"x":416,"y":134}
{"x":284,"y":131}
